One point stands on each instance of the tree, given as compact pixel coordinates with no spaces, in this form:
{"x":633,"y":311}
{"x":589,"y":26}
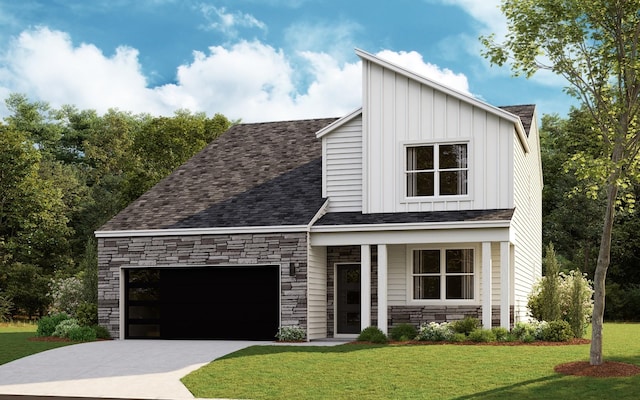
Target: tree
{"x":595,"y":46}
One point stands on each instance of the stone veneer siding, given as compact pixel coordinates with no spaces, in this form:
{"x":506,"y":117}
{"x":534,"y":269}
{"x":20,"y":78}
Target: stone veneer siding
{"x":114,"y":254}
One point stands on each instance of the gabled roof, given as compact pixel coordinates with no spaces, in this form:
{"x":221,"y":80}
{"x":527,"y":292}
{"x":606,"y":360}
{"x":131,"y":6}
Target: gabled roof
{"x":525,"y":112}
{"x":500,"y":112}
{"x":251,"y":175}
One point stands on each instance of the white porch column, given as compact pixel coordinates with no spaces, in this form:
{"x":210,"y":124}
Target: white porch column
{"x":365,"y":286}
{"x":486,"y":285}
{"x":382,"y":288}
{"x":505,"y":285}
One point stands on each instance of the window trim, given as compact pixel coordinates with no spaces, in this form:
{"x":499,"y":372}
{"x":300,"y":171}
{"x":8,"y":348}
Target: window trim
{"x":443,"y":300}
{"x":436,"y":170}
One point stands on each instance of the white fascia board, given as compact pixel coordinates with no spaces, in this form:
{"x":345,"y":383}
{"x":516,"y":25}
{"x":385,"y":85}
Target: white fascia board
{"x":411,"y":226}
{"x":450,"y":92}
{"x":439,"y":236}
{"x":202,"y":231}
{"x":337,"y":124}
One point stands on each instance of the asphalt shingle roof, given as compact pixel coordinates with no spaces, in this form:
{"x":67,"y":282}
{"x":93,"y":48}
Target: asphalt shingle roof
{"x":357,"y":218}
{"x":525,"y":112}
{"x":250,"y":175}
{"x":264,"y":174}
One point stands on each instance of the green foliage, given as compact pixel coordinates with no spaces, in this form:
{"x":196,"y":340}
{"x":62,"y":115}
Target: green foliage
{"x":291,"y":334}
{"x":87,"y":314}
{"x":528,"y":331}
{"x":458,"y":338}
{"x":577,"y":294}
{"x":89,"y":271}
{"x":435,"y":332}
{"x":502,"y":334}
{"x":65,"y":326}
{"x":6,"y":307}
{"x":556,"y":331}
{"x":47,"y":324}
{"x":101,"y":332}
{"x":623,"y":303}
{"x":593,"y":44}
{"x":568,"y":294}
{"x":66,"y":294}
{"x":27,"y":287}
{"x":545,"y":306}
{"x":466,"y":325}
{"x":403,"y":332}
{"x":482,"y":335}
{"x":372,"y":334}
{"x":81,"y":334}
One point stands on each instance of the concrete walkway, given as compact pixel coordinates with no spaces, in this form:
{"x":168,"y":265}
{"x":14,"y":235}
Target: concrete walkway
{"x":132,"y":369}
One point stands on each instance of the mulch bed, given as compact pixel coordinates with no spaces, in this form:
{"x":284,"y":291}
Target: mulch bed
{"x":469,"y":343}
{"x":608,"y":369}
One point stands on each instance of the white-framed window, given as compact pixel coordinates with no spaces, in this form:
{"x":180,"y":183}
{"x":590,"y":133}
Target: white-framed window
{"x":439,"y":169}
{"x":443,"y":274}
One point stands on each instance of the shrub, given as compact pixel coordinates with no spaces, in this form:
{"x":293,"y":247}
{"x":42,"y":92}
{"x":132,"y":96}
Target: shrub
{"x":574,"y":297}
{"x":482,"y":335}
{"x":502,"y":334}
{"x":47,"y":325}
{"x":290,"y":334}
{"x":466,"y":325}
{"x":544,"y":304}
{"x":64,"y":327}
{"x":556,"y":331}
{"x":87,"y":314}
{"x":435,"y":332}
{"x":81,"y":334}
{"x":403,"y":332}
{"x":458,"y":337}
{"x":101,"y":332}
{"x":66,"y":294}
{"x":528,"y":331}
{"x":577,"y":303}
{"x":372,"y":334}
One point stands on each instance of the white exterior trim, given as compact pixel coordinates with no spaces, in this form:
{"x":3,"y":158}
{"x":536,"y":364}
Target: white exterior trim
{"x":202,"y":231}
{"x":411,"y":226}
{"x":505,"y":285}
{"x":411,"y":237}
{"x":486,"y":285}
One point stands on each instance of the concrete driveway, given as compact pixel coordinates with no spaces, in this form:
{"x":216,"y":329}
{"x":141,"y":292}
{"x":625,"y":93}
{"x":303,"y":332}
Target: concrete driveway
{"x":132,"y":369}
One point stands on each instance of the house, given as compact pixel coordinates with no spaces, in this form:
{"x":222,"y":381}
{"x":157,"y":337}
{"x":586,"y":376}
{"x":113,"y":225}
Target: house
{"x":423,"y":205}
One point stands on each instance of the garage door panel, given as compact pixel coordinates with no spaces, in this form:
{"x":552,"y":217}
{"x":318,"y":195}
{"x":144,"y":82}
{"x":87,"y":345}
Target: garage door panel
{"x":206,"y":303}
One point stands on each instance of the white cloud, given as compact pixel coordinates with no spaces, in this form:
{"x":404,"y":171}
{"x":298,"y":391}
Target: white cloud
{"x":413,"y":61}
{"x":248,"y":80}
{"x":335,"y":38}
{"x":229,"y":22}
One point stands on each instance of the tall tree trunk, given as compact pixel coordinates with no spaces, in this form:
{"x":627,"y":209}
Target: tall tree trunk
{"x":604,"y":257}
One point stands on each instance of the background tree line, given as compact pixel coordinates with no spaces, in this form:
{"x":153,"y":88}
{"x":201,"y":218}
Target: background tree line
{"x":65,"y":172}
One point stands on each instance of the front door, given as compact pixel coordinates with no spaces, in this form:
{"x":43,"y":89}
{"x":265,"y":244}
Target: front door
{"x":348,"y":298}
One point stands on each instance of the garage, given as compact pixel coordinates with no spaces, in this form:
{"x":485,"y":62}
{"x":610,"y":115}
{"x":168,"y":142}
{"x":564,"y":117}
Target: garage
{"x":220,"y":302}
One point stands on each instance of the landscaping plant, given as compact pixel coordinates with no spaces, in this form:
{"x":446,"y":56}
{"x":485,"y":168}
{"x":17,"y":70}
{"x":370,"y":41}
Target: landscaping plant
{"x":290,"y":334}
{"x":372,"y":334}
{"x":403,"y":332}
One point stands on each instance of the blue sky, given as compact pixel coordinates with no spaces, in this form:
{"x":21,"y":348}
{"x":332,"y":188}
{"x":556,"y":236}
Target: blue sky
{"x":258,"y":60}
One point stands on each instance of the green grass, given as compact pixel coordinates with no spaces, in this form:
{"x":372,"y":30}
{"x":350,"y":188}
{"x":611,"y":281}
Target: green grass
{"x":417,"y":372}
{"x":15,"y":343}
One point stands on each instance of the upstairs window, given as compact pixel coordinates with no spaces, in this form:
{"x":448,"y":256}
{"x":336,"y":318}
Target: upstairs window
{"x":437,"y":170}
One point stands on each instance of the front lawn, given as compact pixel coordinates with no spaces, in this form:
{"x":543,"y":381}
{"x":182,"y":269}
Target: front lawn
{"x":416,"y":371}
{"x":15,"y":343}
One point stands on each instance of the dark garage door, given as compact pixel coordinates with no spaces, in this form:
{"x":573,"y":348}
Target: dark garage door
{"x":239,"y":302}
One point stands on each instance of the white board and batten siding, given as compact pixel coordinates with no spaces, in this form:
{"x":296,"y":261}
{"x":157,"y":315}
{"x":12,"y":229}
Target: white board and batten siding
{"x":342,"y":152}
{"x":401,"y":111}
{"x":527,"y":221}
{"x":316,"y":292}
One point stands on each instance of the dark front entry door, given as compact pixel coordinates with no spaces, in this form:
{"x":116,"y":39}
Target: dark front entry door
{"x":348,"y":298}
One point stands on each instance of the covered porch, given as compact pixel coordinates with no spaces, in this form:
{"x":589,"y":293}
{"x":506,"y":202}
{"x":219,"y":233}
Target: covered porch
{"x":359,"y":276}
